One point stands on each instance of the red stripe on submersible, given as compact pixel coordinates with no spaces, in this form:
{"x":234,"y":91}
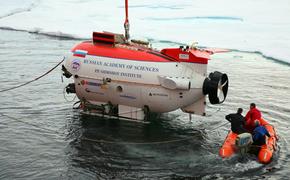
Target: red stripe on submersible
{"x":118,"y":52}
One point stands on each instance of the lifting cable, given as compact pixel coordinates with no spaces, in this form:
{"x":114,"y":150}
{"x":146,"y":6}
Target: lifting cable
{"x":24,"y":84}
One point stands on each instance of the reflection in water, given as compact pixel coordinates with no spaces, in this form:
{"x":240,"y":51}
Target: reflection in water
{"x":115,"y":147}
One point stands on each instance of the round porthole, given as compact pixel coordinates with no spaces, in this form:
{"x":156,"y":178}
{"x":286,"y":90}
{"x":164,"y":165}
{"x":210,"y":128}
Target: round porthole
{"x":119,"y":89}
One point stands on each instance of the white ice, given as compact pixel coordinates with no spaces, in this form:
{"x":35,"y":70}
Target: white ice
{"x":251,"y":25}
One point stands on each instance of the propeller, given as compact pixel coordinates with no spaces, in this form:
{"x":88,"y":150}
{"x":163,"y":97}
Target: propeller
{"x":220,"y":92}
{"x":216,"y":86}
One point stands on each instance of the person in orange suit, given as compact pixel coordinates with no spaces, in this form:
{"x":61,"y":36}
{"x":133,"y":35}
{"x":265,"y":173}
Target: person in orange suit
{"x":252,"y":115}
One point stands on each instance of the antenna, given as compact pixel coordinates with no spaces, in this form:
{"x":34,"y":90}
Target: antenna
{"x":126,"y":23}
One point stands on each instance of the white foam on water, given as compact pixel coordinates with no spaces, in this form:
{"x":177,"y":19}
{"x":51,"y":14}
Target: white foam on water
{"x":243,"y":167}
{"x":261,"y":25}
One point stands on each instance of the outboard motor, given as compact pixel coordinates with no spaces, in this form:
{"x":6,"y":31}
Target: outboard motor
{"x":243,"y":142}
{"x":216,"y":86}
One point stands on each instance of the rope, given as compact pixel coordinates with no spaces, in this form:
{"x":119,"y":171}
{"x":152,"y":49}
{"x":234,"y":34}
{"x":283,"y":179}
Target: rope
{"x":128,"y":112}
{"x":218,"y":126}
{"x":213,"y":112}
{"x":26,"y":83}
{"x":99,"y":140}
{"x":78,"y":105}
{"x":30,"y":124}
{"x":67,"y":100}
{"x":147,"y":143}
{"x":137,"y":143}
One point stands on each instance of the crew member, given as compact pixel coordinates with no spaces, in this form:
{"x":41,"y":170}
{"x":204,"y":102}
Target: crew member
{"x":259,"y":137}
{"x":252,"y":115}
{"x":259,"y":134}
{"x":237,"y":121}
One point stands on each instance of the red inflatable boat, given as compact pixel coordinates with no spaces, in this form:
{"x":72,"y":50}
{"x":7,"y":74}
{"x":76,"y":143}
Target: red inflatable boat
{"x":266,"y":151}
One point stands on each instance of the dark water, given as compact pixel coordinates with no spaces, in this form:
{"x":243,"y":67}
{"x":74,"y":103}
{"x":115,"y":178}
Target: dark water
{"x":42,"y":137}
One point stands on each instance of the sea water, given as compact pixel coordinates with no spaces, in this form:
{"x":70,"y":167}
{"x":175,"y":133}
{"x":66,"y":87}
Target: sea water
{"x":43,"y":137}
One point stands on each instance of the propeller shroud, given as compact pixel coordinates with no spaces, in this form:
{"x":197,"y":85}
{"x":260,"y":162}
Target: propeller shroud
{"x":216,"y":86}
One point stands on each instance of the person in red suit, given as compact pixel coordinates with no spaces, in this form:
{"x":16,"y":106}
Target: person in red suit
{"x":252,"y":115}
